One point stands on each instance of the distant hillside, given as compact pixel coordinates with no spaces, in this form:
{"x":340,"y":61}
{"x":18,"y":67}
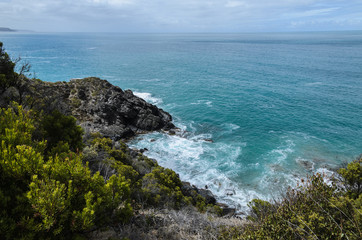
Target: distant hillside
{"x":4,"y":29}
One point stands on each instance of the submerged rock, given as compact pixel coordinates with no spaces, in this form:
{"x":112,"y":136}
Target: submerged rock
{"x":309,"y":165}
{"x":230,"y":192}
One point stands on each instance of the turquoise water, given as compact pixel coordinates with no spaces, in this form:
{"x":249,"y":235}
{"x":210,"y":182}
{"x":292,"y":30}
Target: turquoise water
{"x":278,"y":106}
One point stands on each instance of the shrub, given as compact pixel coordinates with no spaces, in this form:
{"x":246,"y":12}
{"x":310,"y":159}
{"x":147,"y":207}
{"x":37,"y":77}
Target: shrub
{"x":163,"y":187}
{"x":58,"y":127}
{"x":313,"y":210}
{"x":352,"y":177}
{"x":7,"y":73}
{"x":53,"y":198}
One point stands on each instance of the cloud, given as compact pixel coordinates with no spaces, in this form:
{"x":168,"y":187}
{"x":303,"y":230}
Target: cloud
{"x":177,"y":16}
{"x":232,"y":4}
{"x":313,"y":12}
{"x":112,"y":2}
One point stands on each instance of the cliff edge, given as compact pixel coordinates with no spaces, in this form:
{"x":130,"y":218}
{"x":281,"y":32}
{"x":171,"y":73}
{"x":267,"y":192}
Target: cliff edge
{"x":97,"y":105}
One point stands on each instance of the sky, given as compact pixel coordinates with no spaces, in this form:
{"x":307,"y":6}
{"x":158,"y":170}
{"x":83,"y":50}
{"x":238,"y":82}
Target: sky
{"x":181,"y":15}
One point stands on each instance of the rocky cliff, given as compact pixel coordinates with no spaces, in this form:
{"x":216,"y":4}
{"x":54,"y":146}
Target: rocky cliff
{"x":99,"y":106}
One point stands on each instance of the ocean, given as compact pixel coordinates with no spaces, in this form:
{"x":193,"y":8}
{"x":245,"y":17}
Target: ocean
{"x":257,"y":111}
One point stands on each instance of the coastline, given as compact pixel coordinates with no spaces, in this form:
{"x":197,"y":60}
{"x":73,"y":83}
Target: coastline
{"x":88,"y":184}
{"x":105,"y":109}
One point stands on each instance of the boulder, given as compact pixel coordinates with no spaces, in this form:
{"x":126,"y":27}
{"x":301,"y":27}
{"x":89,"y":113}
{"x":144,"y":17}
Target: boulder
{"x":207,"y":194}
{"x":191,"y":191}
{"x":226,"y":210}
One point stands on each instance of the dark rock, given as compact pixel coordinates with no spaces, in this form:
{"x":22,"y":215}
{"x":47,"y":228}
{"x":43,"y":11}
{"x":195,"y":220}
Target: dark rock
{"x":207,"y":194}
{"x":226,"y":210}
{"x":171,"y":132}
{"x":229,"y":192}
{"x":152,"y":140}
{"x":208,"y":140}
{"x":187,"y":189}
{"x":143,"y":150}
{"x":100,"y":106}
{"x":192,"y":191}
{"x":169,"y":126}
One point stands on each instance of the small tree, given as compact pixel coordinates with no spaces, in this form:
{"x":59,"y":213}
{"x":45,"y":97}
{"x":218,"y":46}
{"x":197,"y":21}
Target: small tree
{"x":7,"y":74}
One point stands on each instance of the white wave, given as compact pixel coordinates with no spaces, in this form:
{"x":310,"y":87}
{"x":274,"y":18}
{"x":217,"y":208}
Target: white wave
{"x":200,"y":163}
{"x":231,"y":126}
{"x":148,"y":97}
{"x":282,"y":152}
{"x":273,"y":183}
{"x":218,"y":165}
{"x":91,"y":48}
{"x":267,"y":105}
{"x":152,"y":80}
{"x":206,"y":102}
{"x":39,"y":57}
{"x":327,"y":174}
{"x":313,"y":83}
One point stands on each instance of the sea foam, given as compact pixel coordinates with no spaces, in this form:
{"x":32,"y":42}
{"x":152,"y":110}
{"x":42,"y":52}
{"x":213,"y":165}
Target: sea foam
{"x":148,"y":97}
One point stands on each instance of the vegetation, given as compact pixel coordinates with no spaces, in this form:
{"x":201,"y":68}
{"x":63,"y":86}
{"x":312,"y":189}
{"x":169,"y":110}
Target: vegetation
{"x":56,"y":182}
{"x":57,"y":127}
{"x":14,"y":82}
{"x":316,"y":209}
{"x":7,"y":74}
{"x":52,"y":197}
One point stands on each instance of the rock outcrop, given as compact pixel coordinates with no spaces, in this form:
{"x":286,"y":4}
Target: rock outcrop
{"x":191,"y":191}
{"x":101,"y":107}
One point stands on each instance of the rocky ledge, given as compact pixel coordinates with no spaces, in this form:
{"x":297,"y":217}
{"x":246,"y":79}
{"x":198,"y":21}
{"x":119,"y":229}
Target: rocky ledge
{"x":101,"y":107}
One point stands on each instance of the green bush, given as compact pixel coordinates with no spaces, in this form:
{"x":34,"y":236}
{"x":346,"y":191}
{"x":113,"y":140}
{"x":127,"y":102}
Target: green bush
{"x":57,"y":127}
{"x":7,"y":73}
{"x":54,"y":198}
{"x":352,"y":177}
{"x":162,"y":187}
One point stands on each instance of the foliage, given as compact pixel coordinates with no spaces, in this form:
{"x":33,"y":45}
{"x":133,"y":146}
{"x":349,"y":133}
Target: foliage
{"x":163,"y":187}
{"x":58,"y":127}
{"x":352,"y":177}
{"x":151,"y":185}
{"x":11,"y":80}
{"x":314,"y":210}
{"x":7,"y":74}
{"x":53,"y":198}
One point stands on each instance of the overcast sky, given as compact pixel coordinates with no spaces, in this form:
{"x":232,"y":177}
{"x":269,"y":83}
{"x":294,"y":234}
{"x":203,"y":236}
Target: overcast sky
{"x":181,"y":15}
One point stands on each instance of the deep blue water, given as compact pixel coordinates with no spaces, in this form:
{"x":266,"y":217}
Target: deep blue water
{"x":278,"y":106}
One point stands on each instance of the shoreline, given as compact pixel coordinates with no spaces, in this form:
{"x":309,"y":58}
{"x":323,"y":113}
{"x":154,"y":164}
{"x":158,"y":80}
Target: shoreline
{"x":103,"y":108}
